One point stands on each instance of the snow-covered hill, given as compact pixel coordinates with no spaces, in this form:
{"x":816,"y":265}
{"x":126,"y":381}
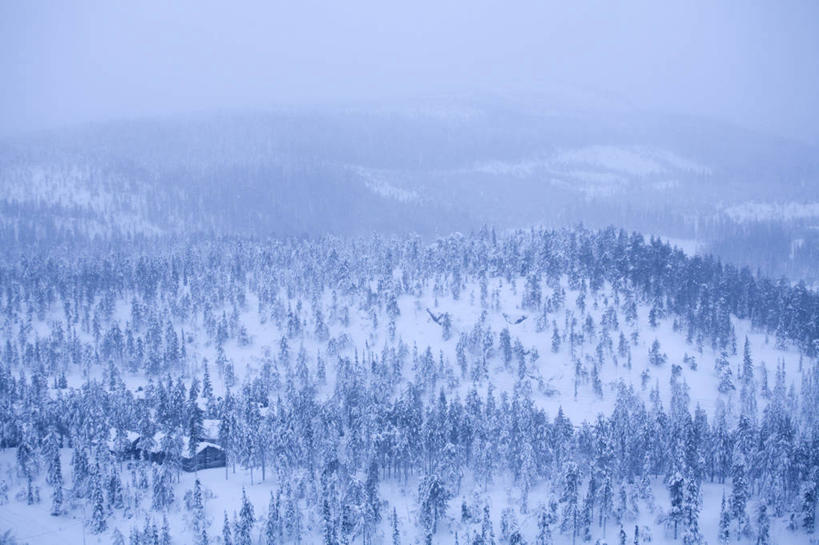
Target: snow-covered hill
{"x":483,"y":388}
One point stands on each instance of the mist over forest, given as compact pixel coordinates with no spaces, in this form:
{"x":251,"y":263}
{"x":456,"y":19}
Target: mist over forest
{"x":444,"y":273}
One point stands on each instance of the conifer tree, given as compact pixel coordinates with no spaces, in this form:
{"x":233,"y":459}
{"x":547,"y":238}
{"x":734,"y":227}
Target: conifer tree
{"x":724,"y":533}
{"x":200,"y":530}
{"x":55,"y":478}
{"x":691,"y":513}
{"x":271,"y":524}
{"x":739,"y":494}
{"x":676,"y":489}
{"x":117,"y":538}
{"x":98,"y":523}
{"x":808,"y":505}
{"x":544,"y":530}
{"x":246,"y":521}
{"x":165,"y":535}
{"x":763,"y":536}
{"x":571,"y":519}
{"x":396,"y":534}
{"x":227,"y":538}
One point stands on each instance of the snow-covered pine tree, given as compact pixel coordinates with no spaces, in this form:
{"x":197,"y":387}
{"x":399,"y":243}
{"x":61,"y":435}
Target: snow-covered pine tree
{"x":739,"y":494}
{"x":98,"y":522}
{"x":117,"y":538}
{"x":691,"y":513}
{"x":571,"y":519}
{"x":165,"y":532}
{"x":272,"y":522}
{"x":676,"y":489}
{"x":807,"y":504}
{"x":227,"y":538}
{"x":246,"y":520}
{"x":396,"y":533}
{"x":763,"y":524}
{"x":544,"y":530}
{"x":200,"y":523}
{"x":55,"y":478}
{"x":724,"y":532}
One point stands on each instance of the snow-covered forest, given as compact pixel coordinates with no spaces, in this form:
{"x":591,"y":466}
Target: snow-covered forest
{"x":471,"y":272}
{"x":534,"y":386}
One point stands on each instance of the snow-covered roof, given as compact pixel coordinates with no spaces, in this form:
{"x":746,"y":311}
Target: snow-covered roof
{"x":130,"y":436}
{"x":210,"y":429}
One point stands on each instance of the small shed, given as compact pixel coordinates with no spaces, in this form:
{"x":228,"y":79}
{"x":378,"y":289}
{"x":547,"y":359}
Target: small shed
{"x":207,"y":456}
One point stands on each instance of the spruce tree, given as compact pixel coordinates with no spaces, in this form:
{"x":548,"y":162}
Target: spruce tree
{"x":763,"y":536}
{"x":691,"y":513}
{"x":200,"y":530}
{"x":227,"y":539}
{"x":270,"y":527}
{"x":724,"y":533}
{"x":544,"y":530}
{"x":739,"y":494}
{"x":98,"y":522}
{"x":808,"y":506}
{"x":396,"y":534}
{"x":571,"y":511}
{"x":165,"y":535}
{"x":245,"y":521}
{"x":676,"y":489}
{"x":117,"y":538}
{"x":56,"y":480}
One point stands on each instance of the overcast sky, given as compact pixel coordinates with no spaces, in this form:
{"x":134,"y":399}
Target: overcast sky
{"x":755,"y":63}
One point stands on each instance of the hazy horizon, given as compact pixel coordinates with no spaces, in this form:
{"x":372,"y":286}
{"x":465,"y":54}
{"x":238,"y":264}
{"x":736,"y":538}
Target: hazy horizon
{"x":747,"y":64}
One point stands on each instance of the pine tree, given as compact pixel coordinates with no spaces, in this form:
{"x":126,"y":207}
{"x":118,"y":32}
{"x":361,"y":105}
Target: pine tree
{"x":587,"y":510}
{"x":739,"y":494}
{"x":117,"y":537}
{"x":747,"y":363}
{"x":195,"y":424}
{"x":27,"y":459}
{"x":487,"y":532}
{"x":162,"y":489}
{"x":544,"y":530}
{"x":655,"y":357}
{"x":724,"y":533}
{"x":165,"y":536}
{"x":115,"y":495}
{"x":329,"y":524}
{"x":396,"y":534}
{"x":372,"y":516}
{"x":271,"y":524}
{"x":433,"y":498}
{"x":245,"y":522}
{"x":723,"y":370}
{"x":98,"y":521}
{"x":226,"y":535}
{"x":691,"y":513}
{"x":555,"y":340}
{"x":571,"y":512}
{"x":763,"y":536}
{"x":200,"y":530}
{"x":207,"y":391}
{"x":56,"y":479}
{"x":676,"y":489}
{"x":808,"y":506}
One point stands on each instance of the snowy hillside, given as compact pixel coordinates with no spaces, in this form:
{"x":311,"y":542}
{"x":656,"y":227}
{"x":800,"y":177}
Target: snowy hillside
{"x":524,"y":387}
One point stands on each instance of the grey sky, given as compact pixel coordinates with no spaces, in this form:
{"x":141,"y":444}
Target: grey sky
{"x":754,"y":63}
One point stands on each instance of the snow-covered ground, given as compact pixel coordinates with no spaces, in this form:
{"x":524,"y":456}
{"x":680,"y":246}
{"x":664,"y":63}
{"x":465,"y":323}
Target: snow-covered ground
{"x":551,"y":377}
